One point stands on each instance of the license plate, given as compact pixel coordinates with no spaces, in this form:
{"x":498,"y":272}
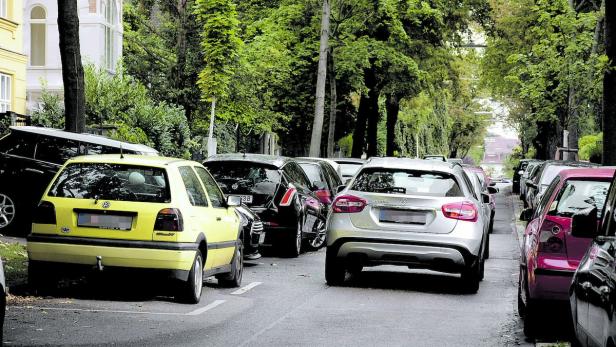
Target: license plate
{"x":246,"y":199}
{"x":104,"y":221}
{"x":402,"y":217}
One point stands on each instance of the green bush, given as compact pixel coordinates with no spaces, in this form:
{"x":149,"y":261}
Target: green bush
{"x":590,"y":147}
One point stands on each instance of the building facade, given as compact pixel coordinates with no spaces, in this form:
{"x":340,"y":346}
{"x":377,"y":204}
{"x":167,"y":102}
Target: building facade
{"x":13,"y":61}
{"x":100,"y":33}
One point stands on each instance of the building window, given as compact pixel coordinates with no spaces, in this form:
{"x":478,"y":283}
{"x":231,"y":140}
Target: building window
{"x":4,"y":8}
{"x":37,"y":36}
{"x":5,"y":93}
{"x":110,"y":11}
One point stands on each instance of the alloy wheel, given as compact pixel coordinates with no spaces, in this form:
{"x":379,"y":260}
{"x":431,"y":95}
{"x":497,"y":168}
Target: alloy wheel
{"x":198,"y":278}
{"x":7,"y":210}
{"x":319,"y":239}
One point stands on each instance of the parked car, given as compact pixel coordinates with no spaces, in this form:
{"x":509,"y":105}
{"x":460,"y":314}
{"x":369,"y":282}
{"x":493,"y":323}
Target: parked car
{"x":530,"y":168}
{"x":409,"y":212}
{"x":334,"y":165}
{"x":592,"y":294}
{"x":550,"y":253}
{"x":545,"y":174}
{"x":137,"y":212}
{"x":253,"y":235}
{"x":486,"y":208}
{"x":517,"y":173}
{"x":348,"y":167}
{"x":485,"y":188}
{"x":278,"y":191}
{"x":437,"y":157}
{"x":31,"y":156}
{"x":456,"y":160}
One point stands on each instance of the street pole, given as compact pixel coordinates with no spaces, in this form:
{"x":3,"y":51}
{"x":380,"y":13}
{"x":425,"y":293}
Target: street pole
{"x":317,"y":126}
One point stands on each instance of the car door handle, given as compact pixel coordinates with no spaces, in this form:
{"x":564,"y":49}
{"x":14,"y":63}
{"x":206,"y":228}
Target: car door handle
{"x":34,"y":170}
{"x":604,"y":290}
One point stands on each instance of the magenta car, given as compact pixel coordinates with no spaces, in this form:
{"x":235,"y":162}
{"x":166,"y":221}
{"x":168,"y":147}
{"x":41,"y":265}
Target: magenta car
{"x":550,"y":254}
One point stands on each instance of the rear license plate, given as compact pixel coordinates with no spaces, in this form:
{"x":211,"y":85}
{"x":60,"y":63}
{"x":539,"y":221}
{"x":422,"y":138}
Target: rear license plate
{"x":104,"y":221}
{"x":402,"y":217}
{"x":246,"y":199}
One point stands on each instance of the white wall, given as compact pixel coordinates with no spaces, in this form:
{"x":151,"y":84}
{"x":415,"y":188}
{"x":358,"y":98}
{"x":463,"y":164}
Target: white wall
{"x":91,"y":34}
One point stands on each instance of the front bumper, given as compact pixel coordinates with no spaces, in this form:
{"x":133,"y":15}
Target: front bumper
{"x":116,"y":253}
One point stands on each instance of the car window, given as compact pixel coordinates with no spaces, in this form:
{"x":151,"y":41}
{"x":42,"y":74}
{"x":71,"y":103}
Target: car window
{"x":100,"y":149}
{"x":296,"y":174}
{"x":18,"y":144}
{"x":349,"y":169}
{"x":112,"y":182}
{"x":608,"y":223}
{"x":412,"y":182}
{"x":550,"y":172}
{"x":195,"y":191}
{"x":578,"y":195}
{"x":313,"y":171}
{"x":469,"y":184}
{"x":217,"y":198}
{"x":55,"y":149}
{"x":333,"y":176}
{"x":546,"y":196}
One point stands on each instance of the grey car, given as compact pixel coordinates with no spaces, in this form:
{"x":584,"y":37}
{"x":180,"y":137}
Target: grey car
{"x":409,"y":212}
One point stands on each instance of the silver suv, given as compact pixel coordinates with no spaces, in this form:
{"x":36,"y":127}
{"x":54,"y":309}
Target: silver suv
{"x":414,"y":213}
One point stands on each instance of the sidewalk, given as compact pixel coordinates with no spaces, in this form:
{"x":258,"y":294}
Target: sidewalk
{"x":13,"y":239}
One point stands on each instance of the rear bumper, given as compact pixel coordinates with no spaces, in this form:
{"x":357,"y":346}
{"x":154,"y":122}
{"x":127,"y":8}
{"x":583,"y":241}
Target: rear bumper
{"x":550,"y":284}
{"x":113,"y":253}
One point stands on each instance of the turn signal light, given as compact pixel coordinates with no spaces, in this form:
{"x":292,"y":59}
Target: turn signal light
{"x":169,"y":219}
{"x":45,"y":213}
{"x":287,"y":198}
{"x":463,"y":210}
{"x":348,"y":204}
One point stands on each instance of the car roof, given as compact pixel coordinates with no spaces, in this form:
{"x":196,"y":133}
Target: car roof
{"x":130,"y":159}
{"x":89,"y":138}
{"x":598,"y":172}
{"x":317,"y":160}
{"x":272,"y":160}
{"x":349,"y":161}
{"x":408,"y":163}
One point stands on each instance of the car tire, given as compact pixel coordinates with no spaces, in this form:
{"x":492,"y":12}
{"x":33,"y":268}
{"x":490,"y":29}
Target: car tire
{"x":335,"y":271}
{"x":191,"y":289}
{"x":471,"y":278}
{"x":8,"y":212}
{"x":530,"y":318}
{"x":233,"y":279}
{"x":40,"y":278}
{"x":491,"y":227}
{"x":319,"y":240}
{"x":486,"y":251}
{"x":295,"y":241}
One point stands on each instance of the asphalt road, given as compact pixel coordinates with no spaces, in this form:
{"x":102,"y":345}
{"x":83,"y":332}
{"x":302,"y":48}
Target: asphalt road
{"x":286,"y":302}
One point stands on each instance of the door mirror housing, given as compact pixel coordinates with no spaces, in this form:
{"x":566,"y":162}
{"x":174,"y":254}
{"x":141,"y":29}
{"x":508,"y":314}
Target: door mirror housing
{"x":233,"y":201}
{"x":485,"y":198}
{"x":492,"y":190}
{"x":526,"y":215}
{"x":584,"y":223}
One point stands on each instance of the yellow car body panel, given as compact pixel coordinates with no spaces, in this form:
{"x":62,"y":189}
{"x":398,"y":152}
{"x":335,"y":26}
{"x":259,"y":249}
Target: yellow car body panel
{"x":140,"y":246}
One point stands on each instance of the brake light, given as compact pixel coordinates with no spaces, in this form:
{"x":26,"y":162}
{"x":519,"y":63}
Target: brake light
{"x":169,"y":219}
{"x":324,"y":196}
{"x":45,"y":213}
{"x":551,"y":238}
{"x":348,"y":204}
{"x":287,"y":198}
{"x":463,"y":210}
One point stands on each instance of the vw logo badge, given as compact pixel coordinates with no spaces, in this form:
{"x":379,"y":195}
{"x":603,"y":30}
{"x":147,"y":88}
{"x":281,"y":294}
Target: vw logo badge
{"x":65,"y":230}
{"x":106,"y":204}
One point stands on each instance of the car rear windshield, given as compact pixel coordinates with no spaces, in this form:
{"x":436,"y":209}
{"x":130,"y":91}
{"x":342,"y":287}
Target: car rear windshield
{"x":239,"y":177}
{"x":112,"y":182}
{"x":551,"y":172}
{"x":577,"y":195}
{"x":349,"y":169}
{"x":411,"y":182}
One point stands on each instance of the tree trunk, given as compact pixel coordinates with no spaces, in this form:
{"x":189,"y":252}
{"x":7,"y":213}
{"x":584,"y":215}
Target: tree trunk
{"x":333,"y":104}
{"x":373,"y":123}
{"x":359,"y":134}
{"x":72,"y":69}
{"x":393,"y":108}
{"x":210,"y":138}
{"x":609,"y":87}
{"x":317,"y":126}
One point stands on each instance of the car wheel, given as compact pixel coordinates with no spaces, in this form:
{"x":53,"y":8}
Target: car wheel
{"x":335,"y":271}
{"x":234,"y":278}
{"x":40,"y":278}
{"x":491,"y":227}
{"x":471,"y":277}
{"x":294,"y":246}
{"x":530,"y":315}
{"x":190,"y":291}
{"x":319,"y":240}
{"x":521,"y":304}
{"x":8,"y":209}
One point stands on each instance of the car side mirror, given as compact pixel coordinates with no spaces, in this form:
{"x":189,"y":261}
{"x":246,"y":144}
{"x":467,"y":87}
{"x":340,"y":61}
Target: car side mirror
{"x":584,"y":223}
{"x":492,"y":184}
{"x":318,"y":185}
{"x":492,"y":190}
{"x":485,"y":198}
{"x":340,"y":188}
{"x":233,"y":201}
{"x":526,"y":215}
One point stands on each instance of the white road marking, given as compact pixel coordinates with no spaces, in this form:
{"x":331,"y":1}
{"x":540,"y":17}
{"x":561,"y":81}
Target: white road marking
{"x":246,"y":288}
{"x":205,"y":308}
{"x":191,"y":313}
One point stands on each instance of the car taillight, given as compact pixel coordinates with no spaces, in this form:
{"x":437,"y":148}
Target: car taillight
{"x":45,"y":213}
{"x":348,"y":204}
{"x":463,"y":210}
{"x":287,"y":198}
{"x":324,"y":196}
{"x":169,"y":219}
{"x":552,"y":238}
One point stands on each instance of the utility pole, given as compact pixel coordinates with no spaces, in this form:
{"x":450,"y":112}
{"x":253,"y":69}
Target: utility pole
{"x":317,"y":125}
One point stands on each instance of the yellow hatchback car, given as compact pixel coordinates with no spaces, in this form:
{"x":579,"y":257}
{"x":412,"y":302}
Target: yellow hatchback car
{"x":139,"y":212}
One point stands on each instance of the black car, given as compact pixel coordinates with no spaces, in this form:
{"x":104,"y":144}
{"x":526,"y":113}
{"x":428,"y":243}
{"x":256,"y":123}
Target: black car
{"x":517,"y":173}
{"x":31,"y":156}
{"x":593,"y":290}
{"x":278,"y":191}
